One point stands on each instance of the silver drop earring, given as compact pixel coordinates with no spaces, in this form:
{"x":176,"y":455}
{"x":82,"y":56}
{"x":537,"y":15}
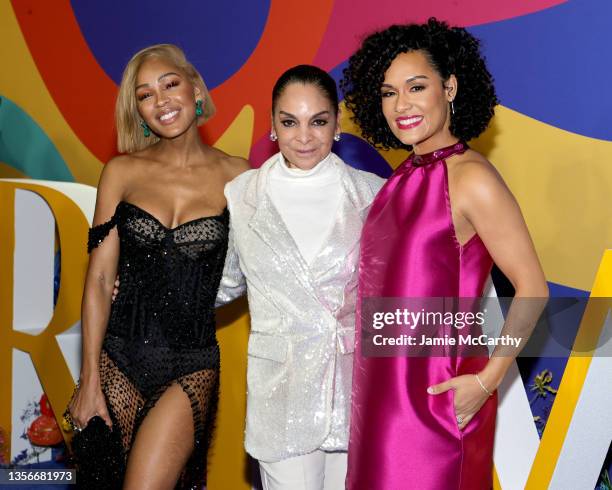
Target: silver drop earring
{"x":337,"y":137}
{"x":452,"y":106}
{"x":273,"y":137}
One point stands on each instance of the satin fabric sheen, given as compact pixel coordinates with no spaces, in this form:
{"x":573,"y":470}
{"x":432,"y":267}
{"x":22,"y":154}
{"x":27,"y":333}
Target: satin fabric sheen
{"x":402,"y":437}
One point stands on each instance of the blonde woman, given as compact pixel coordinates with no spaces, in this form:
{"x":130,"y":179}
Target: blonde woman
{"x":147,"y":396}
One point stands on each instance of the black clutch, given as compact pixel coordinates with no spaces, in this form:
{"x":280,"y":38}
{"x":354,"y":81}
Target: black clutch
{"x":99,"y":457}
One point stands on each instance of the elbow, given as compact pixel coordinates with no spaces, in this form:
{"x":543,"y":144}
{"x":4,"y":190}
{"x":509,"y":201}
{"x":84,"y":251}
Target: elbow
{"x":105,"y":283}
{"x":99,"y":284}
{"x":541,"y":287}
{"x":535,"y":289}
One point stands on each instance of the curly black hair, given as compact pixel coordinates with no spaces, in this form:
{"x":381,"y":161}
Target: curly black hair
{"x":450,"y":50}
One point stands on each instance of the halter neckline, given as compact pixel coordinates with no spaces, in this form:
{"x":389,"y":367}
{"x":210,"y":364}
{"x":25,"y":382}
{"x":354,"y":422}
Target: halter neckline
{"x":439,"y":154}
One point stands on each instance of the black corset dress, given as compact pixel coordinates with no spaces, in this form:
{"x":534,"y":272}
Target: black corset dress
{"x":162,"y":327}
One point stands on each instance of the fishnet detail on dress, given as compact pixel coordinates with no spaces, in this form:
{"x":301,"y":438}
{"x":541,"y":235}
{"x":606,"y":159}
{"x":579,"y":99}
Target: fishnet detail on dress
{"x":122,"y":399}
{"x":194,"y":239}
{"x":202,"y":388}
{"x":128,"y":410}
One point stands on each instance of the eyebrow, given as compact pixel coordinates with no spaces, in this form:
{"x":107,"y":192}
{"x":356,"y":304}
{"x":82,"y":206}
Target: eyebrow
{"x":411,"y":79}
{"x":288,"y":114}
{"x":162,"y":76}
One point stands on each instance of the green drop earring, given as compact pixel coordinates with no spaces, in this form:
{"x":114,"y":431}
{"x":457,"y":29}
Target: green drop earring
{"x":145,"y":129}
{"x":199,"y":110}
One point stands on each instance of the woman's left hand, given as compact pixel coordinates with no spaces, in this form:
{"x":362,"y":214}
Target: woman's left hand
{"x":469,"y":396}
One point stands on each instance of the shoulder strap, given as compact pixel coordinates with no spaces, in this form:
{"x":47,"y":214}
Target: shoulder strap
{"x":98,"y":233}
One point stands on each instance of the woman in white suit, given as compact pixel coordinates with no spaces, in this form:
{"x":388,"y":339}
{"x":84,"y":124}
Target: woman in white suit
{"x":295,"y":225}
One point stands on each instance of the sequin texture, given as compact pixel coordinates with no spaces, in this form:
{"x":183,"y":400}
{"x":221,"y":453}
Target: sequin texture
{"x":300,"y":350}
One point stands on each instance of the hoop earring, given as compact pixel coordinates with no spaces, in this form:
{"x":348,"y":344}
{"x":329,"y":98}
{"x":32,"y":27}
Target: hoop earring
{"x":452,"y":108}
{"x":199,"y":110}
{"x":273,"y":137}
{"x":146,"y":130}
{"x":337,"y":137}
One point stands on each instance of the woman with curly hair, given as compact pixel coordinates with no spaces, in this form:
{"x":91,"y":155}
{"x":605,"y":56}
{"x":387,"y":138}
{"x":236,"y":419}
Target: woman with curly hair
{"x":434,"y":230}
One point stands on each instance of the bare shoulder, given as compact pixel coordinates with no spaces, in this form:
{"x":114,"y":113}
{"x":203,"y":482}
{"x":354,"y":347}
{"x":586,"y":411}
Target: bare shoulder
{"x":473,"y":176}
{"x":231,"y":166}
{"x":118,"y":171}
{"x":235,"y":166}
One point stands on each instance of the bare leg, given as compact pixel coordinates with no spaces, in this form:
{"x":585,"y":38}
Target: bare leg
{"x":163,"y":443}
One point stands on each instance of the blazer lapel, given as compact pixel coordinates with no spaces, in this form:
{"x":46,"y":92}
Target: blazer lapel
{"x":350,"y":216}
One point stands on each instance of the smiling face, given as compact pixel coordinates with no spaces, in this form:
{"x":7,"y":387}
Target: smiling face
{"x":415,"y":102}
{"x":305,"y":122}
{"x":166,"y":98}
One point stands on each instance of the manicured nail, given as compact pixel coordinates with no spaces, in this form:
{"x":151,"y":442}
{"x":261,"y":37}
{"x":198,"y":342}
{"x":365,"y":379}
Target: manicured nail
{"x":430,"y":390}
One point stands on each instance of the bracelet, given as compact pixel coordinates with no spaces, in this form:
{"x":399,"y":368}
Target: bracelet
{"x":484,"y":388}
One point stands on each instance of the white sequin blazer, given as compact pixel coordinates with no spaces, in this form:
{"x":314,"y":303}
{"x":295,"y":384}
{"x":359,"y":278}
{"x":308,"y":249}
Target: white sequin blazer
{"x":300,"y":352}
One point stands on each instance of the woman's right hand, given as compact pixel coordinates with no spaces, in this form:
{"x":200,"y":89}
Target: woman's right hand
{"x":88,"y":402}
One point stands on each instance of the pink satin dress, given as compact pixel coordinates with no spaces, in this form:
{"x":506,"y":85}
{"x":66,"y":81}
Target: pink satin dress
{"x":401,"y":437}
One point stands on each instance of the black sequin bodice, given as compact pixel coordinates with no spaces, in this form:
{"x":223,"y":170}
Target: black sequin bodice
{"x":162,"y":323}
{"x":160,"y":334}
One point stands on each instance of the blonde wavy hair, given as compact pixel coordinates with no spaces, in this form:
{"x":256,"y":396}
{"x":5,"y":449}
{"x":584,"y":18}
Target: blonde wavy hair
{"x":130,"y":137}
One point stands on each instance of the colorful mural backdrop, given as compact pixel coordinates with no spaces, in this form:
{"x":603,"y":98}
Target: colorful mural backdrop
{"x":551,"y":139}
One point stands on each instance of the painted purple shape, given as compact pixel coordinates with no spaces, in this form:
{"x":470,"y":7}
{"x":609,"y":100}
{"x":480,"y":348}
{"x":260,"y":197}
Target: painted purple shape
{"x":218,"y":37}
{"x":359,"y":154}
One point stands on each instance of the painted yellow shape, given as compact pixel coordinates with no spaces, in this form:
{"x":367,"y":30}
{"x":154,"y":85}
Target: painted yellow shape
{"x":496,"y":482}
{"x":21,"y":83}
{"x":562,"y":181}
{"x":228,"y":461}
{"x":573,"y":380}
{"x":237,"y":139}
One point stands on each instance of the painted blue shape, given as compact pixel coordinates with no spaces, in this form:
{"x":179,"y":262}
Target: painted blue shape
{"x":336,"y":74}
{"x":57,"y":274}
{"x":359,"y":154}
{"x":26,"y":147}
{"x":561,"y":291}
{"x":218,"y":37}
{"x":564,"y":322}
{"x":554,"y":65}
{"x":560,"y":325}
